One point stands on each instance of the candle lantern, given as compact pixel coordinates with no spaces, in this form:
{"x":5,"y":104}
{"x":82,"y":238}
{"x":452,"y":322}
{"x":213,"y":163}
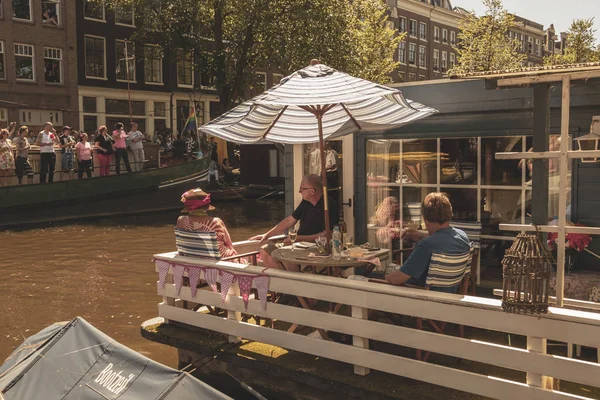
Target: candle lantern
{"x":590,"y":141}
{"x":526,"y":270}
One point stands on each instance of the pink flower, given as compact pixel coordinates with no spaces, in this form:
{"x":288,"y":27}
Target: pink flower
{"x":576,"y":241}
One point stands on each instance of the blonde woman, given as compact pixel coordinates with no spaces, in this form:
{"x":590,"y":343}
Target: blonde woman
{"x":7,"y":159}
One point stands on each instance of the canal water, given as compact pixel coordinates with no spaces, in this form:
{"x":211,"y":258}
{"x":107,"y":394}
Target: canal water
{"x":101,"y":270}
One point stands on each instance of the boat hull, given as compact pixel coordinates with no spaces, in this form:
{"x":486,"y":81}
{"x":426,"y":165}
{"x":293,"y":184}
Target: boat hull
{"x":128,"y":193}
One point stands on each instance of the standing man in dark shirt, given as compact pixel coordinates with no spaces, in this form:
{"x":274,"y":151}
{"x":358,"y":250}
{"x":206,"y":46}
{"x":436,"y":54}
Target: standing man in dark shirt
{"x":311,"y":214}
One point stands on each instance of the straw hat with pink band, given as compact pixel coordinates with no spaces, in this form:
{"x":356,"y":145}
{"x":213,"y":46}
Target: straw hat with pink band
{"x":196,"y":200}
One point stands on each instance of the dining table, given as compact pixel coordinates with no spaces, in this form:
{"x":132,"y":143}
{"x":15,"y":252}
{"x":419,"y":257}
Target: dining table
{"x":309,"y":260}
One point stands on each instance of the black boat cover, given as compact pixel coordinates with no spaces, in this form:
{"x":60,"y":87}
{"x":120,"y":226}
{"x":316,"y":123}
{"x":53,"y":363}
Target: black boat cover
{"x":75,"y":360}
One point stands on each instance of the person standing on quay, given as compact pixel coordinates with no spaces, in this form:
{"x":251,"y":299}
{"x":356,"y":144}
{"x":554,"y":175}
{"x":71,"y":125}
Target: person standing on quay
{"x":104,"y":149}
{"x":66,"y":144}
{"x":7,"y":161}
{"x":136,"y":140}
{"x":46,"y":139}
{"x":119,"y":137}
{"x":84,"y":156}
{"x":22,"y":162}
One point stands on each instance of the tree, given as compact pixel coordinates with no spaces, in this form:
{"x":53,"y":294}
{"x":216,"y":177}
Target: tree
{"x":484,"y":43}
{"x":234,"y":38}
{"x":580,"y":46}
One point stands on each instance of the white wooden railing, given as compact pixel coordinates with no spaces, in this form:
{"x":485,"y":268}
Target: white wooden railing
{"x":569,"y":326}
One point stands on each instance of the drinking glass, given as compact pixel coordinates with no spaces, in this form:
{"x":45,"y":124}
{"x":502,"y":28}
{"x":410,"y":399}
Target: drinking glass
{"x":292,"y":234}
{"x":349,"y":242}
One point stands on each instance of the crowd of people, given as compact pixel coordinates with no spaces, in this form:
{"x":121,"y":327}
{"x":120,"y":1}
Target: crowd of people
{"x":15,"y":146}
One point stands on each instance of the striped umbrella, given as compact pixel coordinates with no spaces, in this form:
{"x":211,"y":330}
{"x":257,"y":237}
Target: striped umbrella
{"x":314,"y":104}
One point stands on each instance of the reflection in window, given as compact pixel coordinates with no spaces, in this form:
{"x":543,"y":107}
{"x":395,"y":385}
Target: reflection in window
{"x":51,"y":12}
{"x":89,"y":104}
{"x":500,"y":172}
{"x":90,"y":123}
{"x":53,"y":65}
{"x":207,"y":70}
{"x":125,"y":60}
{"x":411,"y":204}
{"x":419,"y":161}
{"x":21,"y":9}
{"x":152,"y":64}
{"x":94,"y":10}
{"x":499,"y":206}
{"x":185,"y":68}
{"x":24,"y":62}
{"x":459,"y":161}
{"x":94,"y":57}
{"x":464,"y":203}
{"x":160,"y":109}
{"x":124,"y":15}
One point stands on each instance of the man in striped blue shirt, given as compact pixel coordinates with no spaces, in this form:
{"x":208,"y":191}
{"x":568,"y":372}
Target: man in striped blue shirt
{"x":443,"y":239}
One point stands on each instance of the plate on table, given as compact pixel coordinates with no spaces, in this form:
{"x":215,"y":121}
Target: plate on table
{"x":303,"y":245}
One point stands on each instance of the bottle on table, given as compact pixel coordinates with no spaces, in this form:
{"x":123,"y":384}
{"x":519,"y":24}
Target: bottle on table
{"x":336,"y":243}
{"x":343,"y":229}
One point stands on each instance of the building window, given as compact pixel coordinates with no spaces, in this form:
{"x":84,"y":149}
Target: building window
{"x":452,"y":60}
{"x":412,"y":77}
{"x":436,"y":33}
{"x":529,"y":45}
{"x":538,"y":47}
{"x":452,"y":37}
{"x":24,"y":62}
{"x":413,"y":28}
{"x":89,"y":104}
{"x":124,"y":16}
{"x":422,"y":78}
{"x":21,"y":9}
{"x":260,"y":83}
{"x":51,"y":12}
{"x":277,"y":79}
{"x":94,"y":10}
{"x":153,"y":64}
{"x":90,"y":123}
{"x":412,"y":50}
{"x":444,"y":35}
{"x":125,"y":55}
{"x":444,"y":61}
{"x":53,"y":65}
{"x":2,"y":62}
{"x":185,"y":68}
{"x":207,"y":70}
{"x":402,"y":52}
{"x":160,"y":109}
{"x":95,"y":62}
{"x":402,"y":25}
{"x":436,"y":60}
{"x":422,"y":56}
{"x":121,"y":107}
{"x":423,"y":31}
{"x":401,"y":77}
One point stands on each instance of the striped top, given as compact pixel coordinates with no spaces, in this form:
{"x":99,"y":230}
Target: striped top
{"x":205,"y":237}
{"x":277,"y":115}
{"x":447,"y":270}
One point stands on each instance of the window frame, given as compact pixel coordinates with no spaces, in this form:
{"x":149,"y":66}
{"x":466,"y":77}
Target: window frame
{"x":416,"y":32}
{"x":444,"y":62}
{"x":412,"y":46}
{"x":85,"y":57}
{"x":273,"y":78}
{"x":3,"y":60}
{"x":32,"y":56}
{"x":436,"y":61}
{"x":92,"y":18}
{"x":125,"y":42}
{"x":402,"y":27}
{"x":58,"y":14}
{"x":126,"y":24}
{"x":30,"y":19}
{"x":445,"y":36}
{"x":402,"y":47}
{"x":60,"y":63}
{"x":160,"y":64}
{"x":264,"y":74}
{"x":452,"y":60}
{"x":423,"y":31}
{"x":422,"y":56}
{"x":436,"y":34}
{"x":452,"y":37}
{"x":179,"y":60}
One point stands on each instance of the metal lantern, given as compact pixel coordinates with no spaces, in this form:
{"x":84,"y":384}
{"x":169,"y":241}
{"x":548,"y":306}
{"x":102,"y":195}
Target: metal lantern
{"x":526,"y":270}
{"x":590,"y":141}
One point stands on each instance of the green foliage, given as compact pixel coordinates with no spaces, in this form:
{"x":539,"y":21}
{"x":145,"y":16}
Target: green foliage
{"x":484,"y":43}
{"x":580,"y":46}
{"x":236,"y":37}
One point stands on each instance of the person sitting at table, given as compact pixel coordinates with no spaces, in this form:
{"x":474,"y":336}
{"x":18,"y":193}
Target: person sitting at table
{"x":311,"y":214}
{"x":437,"y":212}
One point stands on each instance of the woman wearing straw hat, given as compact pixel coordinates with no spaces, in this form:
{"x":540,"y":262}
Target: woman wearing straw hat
{"x":196,"y":219}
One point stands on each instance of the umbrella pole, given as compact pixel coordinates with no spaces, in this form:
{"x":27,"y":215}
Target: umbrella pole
{"x":319,"y":115}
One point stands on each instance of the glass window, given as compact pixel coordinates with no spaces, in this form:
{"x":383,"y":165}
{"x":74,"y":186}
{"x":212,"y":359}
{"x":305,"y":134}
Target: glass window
{"x":412,"y":50}
{"x":94,"y":10}
{"x":199,"y":107}
{"x":444,"y":61}
{"x":51,"y":12}
{"x":125,"y":55}
{"x":112,"y":121}
{"x":500,"y":172}
{"x":401,"y":77}
{"x":160,"y":109}
{"x":444,"y":35}
{"x":423,"y":31}
{"x":422,"y":56}
{"x":153,"y":59}
{"x":24,"y":62}
{"x":436,"y":33}
{"x":402,"y":52}
{"x":452,"y":60}
{"x":458,"y":159}
{"x":402,"y":25}
{"x":21,"y":9}
{"x":185,"y":68}
{"x":419,"y":161}
{"x":89,"y":104}
{"x":121,"y":107}
{"x":464,"y":203}
{"x":277,"y":79}
{"x":90,"y":123}
{"x":124,"y":15}
{"x":413,"y":28}
{"x":53,"y":65}
{"x":333,"y":166}
{"x":436,"y":60}
{"x":207,"y":70}
{"x":411,"y":203}
{"x":94,"y":57}
{"x":2,"y":62}
{"x":499,"y":206}
{"x":452,"y":37}
{"x":260,"y":83}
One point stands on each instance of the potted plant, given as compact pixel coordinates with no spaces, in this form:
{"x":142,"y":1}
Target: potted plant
{"x":575,"y":243}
